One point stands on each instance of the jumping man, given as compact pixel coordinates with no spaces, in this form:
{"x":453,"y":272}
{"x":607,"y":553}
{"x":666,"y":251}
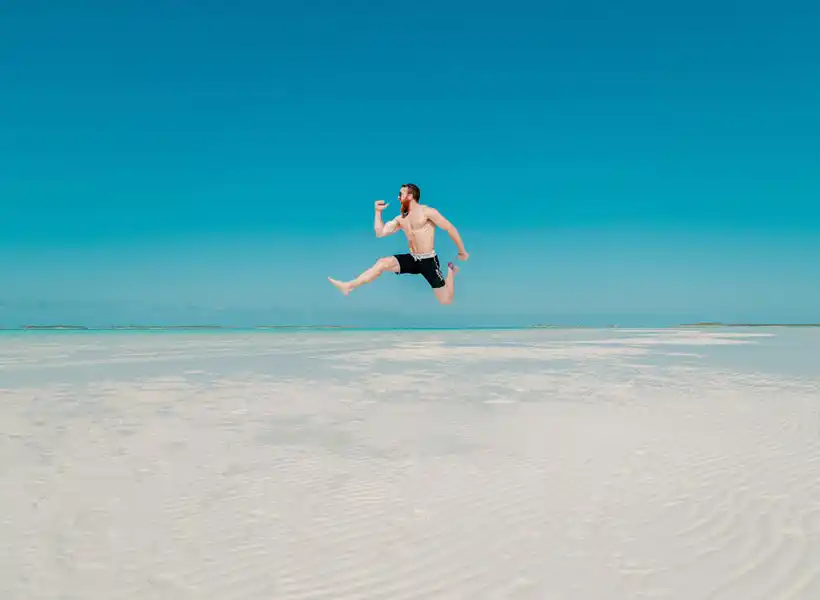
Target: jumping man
{"x":419,"y":224}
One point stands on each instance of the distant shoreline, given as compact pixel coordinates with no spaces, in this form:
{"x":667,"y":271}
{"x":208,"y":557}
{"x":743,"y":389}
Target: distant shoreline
{"x":69,"y":327}
{"x":164,"y":327}
{"x":750,"y":325}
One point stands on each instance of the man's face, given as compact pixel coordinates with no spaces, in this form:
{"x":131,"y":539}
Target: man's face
{"x":404,"y":198}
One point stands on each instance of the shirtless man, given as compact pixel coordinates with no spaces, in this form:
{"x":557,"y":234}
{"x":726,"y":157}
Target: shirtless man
{"x":419,"y":224}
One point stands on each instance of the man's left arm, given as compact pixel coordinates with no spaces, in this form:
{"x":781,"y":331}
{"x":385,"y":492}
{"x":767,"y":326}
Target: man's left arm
{"x":441,"y":222}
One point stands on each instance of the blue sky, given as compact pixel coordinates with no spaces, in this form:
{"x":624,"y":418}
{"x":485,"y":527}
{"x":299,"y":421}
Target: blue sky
{"x":640,"y":163}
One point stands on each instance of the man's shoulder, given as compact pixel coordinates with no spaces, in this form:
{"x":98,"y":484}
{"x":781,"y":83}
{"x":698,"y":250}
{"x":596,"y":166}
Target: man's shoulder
{"x":428,"y":210}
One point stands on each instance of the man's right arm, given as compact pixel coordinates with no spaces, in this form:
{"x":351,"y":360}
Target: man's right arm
{"x":379,"y":226}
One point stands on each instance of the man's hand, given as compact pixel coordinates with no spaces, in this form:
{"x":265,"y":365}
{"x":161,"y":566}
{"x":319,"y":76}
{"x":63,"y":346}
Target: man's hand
{"x":463,"y":255}
{"x":378,"y":224}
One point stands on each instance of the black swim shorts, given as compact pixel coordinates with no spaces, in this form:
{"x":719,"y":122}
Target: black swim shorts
{"x":428,"y":266}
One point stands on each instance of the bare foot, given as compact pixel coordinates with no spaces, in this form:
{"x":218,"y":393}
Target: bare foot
{"x":452,"y":267}
{"x":341,"y":286}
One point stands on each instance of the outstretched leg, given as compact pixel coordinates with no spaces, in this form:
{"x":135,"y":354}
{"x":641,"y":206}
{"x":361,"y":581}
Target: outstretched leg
{"x":383,"y":265}
{"x":445,"y":294}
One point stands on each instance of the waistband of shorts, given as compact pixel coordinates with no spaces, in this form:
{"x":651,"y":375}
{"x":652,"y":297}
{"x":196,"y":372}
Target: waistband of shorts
{"x":423,"y":255}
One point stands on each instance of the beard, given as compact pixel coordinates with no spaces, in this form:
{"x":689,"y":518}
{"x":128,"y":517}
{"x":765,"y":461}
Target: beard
{"x":405,"y":207}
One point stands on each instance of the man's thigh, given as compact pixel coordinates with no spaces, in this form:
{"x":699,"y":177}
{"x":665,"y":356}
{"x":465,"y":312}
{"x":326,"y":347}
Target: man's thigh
{"x":405,"y":264}
{"x":431,"y":270}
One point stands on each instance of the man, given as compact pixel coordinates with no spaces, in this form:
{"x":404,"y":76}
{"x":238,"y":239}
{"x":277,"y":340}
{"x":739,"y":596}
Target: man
{"x":419,"y":223}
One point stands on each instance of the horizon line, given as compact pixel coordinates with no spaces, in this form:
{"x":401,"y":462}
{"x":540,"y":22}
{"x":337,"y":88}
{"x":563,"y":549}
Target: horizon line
{"x":217,"y":327}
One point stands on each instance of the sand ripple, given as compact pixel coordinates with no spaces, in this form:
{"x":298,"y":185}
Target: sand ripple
{"x":406,"y":467}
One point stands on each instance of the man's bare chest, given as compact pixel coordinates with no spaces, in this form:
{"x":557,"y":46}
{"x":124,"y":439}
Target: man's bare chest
{"x":418,"y":223}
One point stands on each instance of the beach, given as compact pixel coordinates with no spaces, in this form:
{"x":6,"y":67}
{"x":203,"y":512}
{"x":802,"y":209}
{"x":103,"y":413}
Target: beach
{"x":528,"y":464}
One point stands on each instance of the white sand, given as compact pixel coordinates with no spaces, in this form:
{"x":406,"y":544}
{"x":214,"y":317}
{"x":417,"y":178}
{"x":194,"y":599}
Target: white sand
{"x":544,"y":465}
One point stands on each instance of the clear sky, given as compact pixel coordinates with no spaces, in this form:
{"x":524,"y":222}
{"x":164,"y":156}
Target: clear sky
{"x":639,"y":162}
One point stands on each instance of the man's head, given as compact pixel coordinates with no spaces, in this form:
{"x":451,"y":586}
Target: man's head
{"x":408,"y":193}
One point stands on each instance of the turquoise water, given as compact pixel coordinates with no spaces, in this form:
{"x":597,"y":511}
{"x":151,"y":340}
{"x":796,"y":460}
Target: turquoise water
{"x":274,"y":330}
{"x":334,"y":329}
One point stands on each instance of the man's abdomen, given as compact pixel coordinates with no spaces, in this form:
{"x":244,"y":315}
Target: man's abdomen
{"x":424,"y":243}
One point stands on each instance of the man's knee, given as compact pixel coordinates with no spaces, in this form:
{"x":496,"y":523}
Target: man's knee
{"x":388,"y":263}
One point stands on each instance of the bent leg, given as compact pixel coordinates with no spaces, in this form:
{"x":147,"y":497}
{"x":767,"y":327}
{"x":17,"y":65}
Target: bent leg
{"x":446,"y":294}
{"x":383,"y":265}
